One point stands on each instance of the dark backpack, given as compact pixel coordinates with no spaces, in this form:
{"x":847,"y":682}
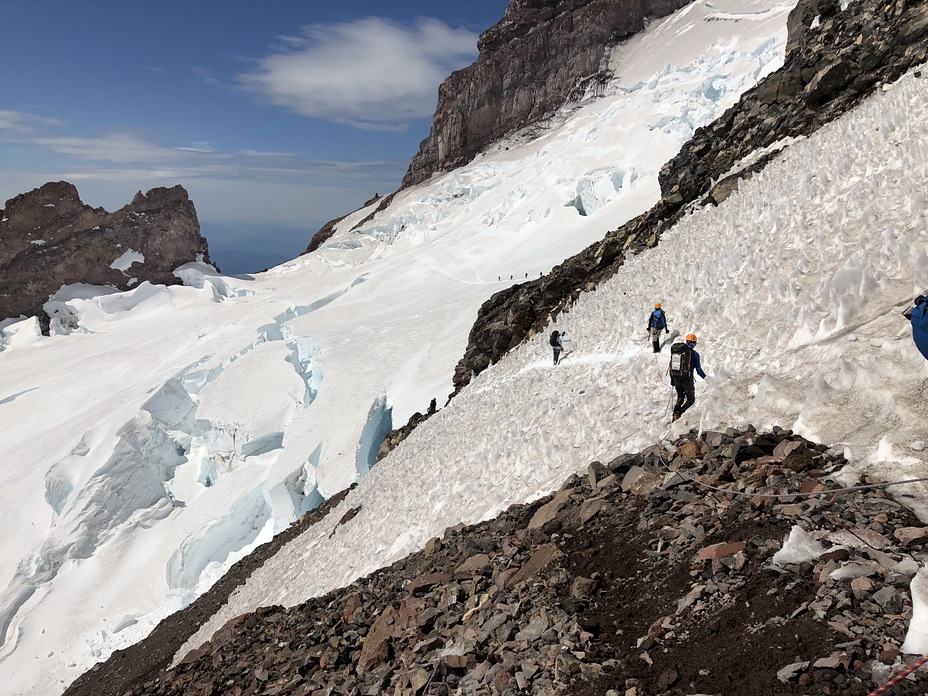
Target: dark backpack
{"x":556,"y":339}
{"x":680,"y":357}
{"x":660,"y":321}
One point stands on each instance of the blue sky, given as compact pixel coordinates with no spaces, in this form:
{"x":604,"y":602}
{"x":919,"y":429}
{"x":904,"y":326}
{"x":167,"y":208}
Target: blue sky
{"x":270,"y":113}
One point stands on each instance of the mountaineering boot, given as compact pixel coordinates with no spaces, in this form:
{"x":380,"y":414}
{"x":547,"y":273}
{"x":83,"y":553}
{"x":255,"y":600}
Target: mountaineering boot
{"x":674,"y":417}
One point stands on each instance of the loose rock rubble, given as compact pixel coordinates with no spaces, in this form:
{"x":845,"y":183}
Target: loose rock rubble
{"x":636,"y":579}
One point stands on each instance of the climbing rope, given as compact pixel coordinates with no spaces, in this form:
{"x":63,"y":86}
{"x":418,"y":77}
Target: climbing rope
{"x":647,"y":342}
{"x":719,"y":343}
{"x":751,"y":354}
{"x":657,"y":364}
{"x":811,"y":494}
{"x":827,"y":491}
{"x":899,"y":677}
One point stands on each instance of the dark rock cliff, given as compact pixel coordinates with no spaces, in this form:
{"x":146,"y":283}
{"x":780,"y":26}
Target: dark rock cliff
{"x":49,"y":238}
{"x":828,"y":70}
{"x":530,"y":63}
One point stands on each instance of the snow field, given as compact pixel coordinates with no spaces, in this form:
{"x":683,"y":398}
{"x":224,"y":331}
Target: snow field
{"x":795,"y":286}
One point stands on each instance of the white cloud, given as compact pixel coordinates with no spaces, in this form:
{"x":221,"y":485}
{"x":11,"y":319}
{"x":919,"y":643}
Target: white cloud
{"x":370,"y":73}
{"x":109,"y":169}
{"x":21,"y":123}
{"x":119,"y":156}
{"x":115,"y":147}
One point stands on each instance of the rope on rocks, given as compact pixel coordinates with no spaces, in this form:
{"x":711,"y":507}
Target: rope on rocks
{"x":887,"y":687}
{"x":810,"y":494}
{"x":827,"y":491}
{"x":899,"y":677}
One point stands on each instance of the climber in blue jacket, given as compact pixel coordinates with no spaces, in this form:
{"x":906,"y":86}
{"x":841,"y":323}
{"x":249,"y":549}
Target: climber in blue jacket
{"x":918,"y":315}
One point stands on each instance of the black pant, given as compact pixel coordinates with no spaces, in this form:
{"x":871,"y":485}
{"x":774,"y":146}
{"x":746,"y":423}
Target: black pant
{"x":557,"y":355}
{"x":686,"y":394}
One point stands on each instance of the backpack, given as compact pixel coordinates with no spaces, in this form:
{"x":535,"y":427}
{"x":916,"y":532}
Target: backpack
{"x":556,"y":339}
{"x":680,"y":355}
{"x":660,"y":321}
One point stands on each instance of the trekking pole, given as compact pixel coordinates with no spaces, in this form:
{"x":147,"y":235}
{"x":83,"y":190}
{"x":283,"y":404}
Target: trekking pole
{"x":669,"y":401}
{"x":670,"y":397}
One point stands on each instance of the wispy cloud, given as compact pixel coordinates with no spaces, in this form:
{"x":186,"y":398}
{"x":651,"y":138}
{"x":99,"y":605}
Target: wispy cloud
{"x":371,"y":73}
{"x":115,"y":147}
{"x":240,"y":183}
{"x":19,"y":123}
{"x":128,"y":156}
{"x":206,"y":75}
{"x":125,"y":156}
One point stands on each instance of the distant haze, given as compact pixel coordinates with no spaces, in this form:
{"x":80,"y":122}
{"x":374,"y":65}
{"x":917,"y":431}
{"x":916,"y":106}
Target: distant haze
{"x":238,"y":247}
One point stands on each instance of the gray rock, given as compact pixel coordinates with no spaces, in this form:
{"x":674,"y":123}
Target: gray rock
{"x":640,"y":481}
{"x":792,"y":671}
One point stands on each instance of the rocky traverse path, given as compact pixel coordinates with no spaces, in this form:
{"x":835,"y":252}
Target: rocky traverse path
{"x":659,"y":573}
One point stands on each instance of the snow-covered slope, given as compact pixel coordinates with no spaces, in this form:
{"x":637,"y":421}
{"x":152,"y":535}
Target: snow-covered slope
{"x":179,"y":427}
{"x":795,"y":286}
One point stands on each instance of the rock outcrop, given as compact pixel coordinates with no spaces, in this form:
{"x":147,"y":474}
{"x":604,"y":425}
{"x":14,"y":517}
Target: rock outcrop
{"x":324,"y":234}
{"x":834,"y":59}
{"x":531,"y":62}
{"x":664,"y":572}
{"x":49,"y":238}
{"x":328,"y":229}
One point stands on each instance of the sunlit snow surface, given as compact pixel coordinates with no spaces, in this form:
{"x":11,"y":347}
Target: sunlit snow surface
{"x":170,"y":430}
{"x":795,"y":287}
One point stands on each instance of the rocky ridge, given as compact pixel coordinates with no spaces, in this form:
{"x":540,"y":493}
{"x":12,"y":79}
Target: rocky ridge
{"x":654,"y":574}
{"x":50,"y":238}
{"x":832,"y":63}
{"x":530,"y":63}
{"x":328,"y":229}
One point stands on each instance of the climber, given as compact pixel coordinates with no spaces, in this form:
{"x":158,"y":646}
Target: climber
{"x":433,"y":406}
{"x":918,"y":315}
{"x":557,"y":342}
{"x":657,"y":322}
{"x":684,"y":360}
